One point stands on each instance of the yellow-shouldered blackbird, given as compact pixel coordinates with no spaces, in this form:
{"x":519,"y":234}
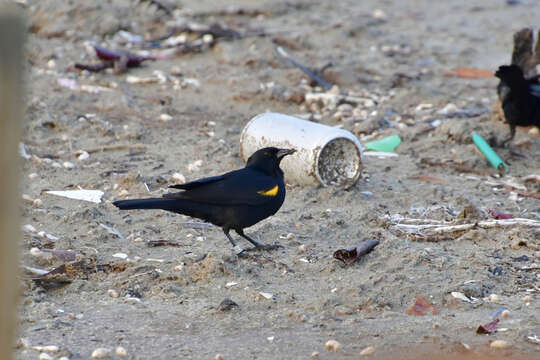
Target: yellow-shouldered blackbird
{"x":520,"y":98}
{"x":232,"y":201}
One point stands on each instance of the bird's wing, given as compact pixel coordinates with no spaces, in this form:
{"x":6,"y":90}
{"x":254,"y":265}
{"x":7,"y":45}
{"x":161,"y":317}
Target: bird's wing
{"x":197,"y":183}
{"x":534,"y":89}
{"x":241,"y":187}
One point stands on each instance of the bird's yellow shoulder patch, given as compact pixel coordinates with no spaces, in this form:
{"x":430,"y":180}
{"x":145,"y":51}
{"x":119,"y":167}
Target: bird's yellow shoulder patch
{"x":272,"y":192}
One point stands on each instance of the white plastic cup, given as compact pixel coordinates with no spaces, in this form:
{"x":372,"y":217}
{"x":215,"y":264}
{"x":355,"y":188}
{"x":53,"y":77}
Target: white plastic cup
{"x":324,"y":155}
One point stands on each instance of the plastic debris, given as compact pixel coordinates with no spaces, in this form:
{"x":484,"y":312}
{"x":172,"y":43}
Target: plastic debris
{"x":489,"y":153}
{"x":85,"y":195}
{"x":386,"y":144}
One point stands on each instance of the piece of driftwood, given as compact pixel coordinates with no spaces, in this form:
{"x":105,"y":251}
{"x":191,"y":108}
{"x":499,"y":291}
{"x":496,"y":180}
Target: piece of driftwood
{"x":12,"y":30}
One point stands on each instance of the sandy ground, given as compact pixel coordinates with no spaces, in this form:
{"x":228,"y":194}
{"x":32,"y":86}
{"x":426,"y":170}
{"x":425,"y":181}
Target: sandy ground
{"x":163,"y":302}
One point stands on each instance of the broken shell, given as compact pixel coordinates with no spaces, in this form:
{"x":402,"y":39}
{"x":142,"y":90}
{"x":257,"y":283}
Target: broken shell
{"x":112,"y":293}
{"x":120,"y":351}
{"x":500,"y":344}
{"x":165,"y":117}
{"x":315,"y":355}
{"x":100,"y":353}
{"x":505,"y":314}
{"x":37,"y":202}
{"x":28,"y":228}
{"x":302,"y":248}
{"x":332,"y":345}
{"x":48,"y":348}
{"x":266,"y":295}
{"x":33,"y":176}
{"x":45,"y":356}
{"x":367,"y":351}
{"x":68,"y":165}
{"x":120,"y":256}
{"x":82,"y":155}
{"x":123,"y":193}
{"x":178,"y":178}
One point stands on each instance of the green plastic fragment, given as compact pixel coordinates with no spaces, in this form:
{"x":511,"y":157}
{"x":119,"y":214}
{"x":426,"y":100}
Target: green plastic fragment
{"x":489,"y":153}
{"x":387,"y":144}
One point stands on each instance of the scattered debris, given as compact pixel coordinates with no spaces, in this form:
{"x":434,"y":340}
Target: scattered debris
{"x":120,"y":60}
{"x":461,"y":296}
{"x":489,"y":328}
{"x":489,"y":153}
{"x":499,"y":215}
{"x":421,"y":307}
{"x":156,"y":243}
{"x":350,"y":255}
{"x":387,"y":144}
{"x":367,"y":351}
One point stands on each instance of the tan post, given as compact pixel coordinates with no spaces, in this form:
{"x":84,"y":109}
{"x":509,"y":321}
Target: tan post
{"x":12,"y":31}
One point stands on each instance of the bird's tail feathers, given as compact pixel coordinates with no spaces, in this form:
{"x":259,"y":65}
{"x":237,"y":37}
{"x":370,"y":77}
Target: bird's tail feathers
{"x":151,"y":203}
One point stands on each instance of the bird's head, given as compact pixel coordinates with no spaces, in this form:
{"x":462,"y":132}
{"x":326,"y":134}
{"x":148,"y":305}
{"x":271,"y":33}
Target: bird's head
{"x":268,"y":159}
{"x":510,"y":74}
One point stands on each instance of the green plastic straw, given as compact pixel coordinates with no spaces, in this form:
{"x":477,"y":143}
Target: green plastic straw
{"x":489,"y":153}
{"x":387,"y":144}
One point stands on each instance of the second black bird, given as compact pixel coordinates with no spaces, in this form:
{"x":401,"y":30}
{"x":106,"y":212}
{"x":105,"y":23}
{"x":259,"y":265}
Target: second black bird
{"x":520,"y":98}
{"x":232,"y":201}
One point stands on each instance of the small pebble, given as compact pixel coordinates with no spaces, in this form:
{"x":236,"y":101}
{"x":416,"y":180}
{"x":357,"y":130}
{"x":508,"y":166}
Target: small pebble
{"x":436,"y":326}
{"x":500,"y":344}
{"x":120,"y":256}
{"x":63,"y":358}
{"x":219,"y":357}
{"x":527,"y":298}
{"x":493,"y":298}
{"x":379,"y":14}
{"x":165,"y":117}
{"x":37,"y":202}
{"x":505,"y":314}
{"x":178,"y":267}
{"x":100,"y":353}
{"x":68,"y":165}
{"x":33,"y":176}
{"x":112,"y":293}
{"x":332,"y":345}
{"x":120,"y":351}
{"x":270,"y":339}
{"x":27,"y":198}
{"x":51,"y":64}
{"x":123,"y":193}
{"x":302,"y":248}
{"x":367,"y":351}
{"x":290,"y":236}
{"x":45,"y":356}
{"x":315,"y":355}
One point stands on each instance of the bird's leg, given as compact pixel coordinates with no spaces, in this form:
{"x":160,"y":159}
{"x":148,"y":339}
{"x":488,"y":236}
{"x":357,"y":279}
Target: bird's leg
{"x":237,"y":249}
{"x":512,"y":134}
{"x":257,"y":244}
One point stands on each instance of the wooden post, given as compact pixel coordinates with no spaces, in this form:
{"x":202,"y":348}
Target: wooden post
{"x":12,"y":31}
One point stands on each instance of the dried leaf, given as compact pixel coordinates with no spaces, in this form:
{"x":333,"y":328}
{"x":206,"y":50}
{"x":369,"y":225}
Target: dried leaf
{"x":350,"y":255}
{"x":470,"y":73}
{"x":421,"y":307}
{"x":489,"y":328}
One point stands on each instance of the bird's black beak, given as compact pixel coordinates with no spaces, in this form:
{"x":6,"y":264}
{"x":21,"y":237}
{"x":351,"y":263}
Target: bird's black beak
{"x":284,"y":152}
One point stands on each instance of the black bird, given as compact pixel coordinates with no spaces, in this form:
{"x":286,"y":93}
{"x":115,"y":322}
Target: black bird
{"x":520,"y":98}
{"x":232,"y":201}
